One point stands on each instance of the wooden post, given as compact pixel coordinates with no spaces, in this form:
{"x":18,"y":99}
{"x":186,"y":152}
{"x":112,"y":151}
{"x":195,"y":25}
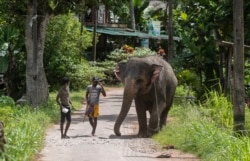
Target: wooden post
{"x":238,"y":68}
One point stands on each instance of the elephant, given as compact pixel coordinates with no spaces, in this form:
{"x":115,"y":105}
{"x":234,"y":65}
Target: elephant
{"x":149,"y":81}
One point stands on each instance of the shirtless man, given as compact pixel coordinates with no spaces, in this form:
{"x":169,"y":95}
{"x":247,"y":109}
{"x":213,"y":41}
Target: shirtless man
{"x":64,"y":102}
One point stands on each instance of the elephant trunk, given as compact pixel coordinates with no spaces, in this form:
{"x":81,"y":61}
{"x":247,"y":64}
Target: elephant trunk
{"x":128,"y":97}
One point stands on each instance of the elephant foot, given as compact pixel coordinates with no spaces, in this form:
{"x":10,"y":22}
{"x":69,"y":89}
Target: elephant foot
{"x":151,"y":132}
{"x":117,"y":133}
{"x":142,"y":135}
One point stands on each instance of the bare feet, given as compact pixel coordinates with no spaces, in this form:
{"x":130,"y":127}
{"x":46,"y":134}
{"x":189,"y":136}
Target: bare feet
{"x":65,"y":137}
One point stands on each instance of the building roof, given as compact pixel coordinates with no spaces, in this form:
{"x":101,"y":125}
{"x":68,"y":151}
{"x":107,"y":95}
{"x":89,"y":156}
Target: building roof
{"x":127,"y":32}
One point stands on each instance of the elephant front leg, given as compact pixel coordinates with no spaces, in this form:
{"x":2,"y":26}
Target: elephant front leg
{"x":142,"y":119}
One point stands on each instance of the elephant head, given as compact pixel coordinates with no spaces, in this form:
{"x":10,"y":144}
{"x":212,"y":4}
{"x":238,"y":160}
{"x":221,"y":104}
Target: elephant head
{"x":138,"y":77}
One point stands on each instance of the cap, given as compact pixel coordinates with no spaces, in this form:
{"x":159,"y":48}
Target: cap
{"x":95,"y":79}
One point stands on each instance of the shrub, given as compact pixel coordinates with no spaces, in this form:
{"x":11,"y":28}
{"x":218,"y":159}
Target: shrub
{"x":6,"y":101}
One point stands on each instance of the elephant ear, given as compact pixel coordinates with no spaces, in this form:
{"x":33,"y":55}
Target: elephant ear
{"x":119,"y":70}
{"x":156,"y":72}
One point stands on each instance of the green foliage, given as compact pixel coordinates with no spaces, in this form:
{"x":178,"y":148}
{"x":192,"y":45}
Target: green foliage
{"x":25,"y":134}
{"x":6,"y":113}
{"x":187,"y":77}
{"x":206,"y":130}
{"x":12,"y":56}
{"x":6,"y":101}
{"x":218,"y":107}
{"x":81,"y":74}
{"x":200,"y":24}
{"x":24,"y":131}
{"x":64,"y":48}
{"x":247,"y":78}
{"x":184,"y":95}
{"x":25,"y":128}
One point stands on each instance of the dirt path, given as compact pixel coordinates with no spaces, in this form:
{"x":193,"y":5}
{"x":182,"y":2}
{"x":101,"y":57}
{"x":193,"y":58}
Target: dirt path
{"x":105,"y":146}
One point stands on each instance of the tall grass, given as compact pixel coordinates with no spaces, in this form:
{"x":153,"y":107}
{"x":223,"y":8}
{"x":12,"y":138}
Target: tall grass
{"x":206,"y":130}
{"x":25,"y":132}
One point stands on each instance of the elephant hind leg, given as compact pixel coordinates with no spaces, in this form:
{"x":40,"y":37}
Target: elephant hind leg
{"x":163,"y":118}
{"x":164,"y":114}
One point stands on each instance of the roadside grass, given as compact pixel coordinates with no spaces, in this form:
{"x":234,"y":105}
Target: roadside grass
{"x":25,"y":126}
{"x":206,"y":131}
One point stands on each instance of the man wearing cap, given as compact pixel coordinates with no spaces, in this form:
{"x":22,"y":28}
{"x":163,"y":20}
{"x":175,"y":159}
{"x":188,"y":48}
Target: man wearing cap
{"x":92,"y":97}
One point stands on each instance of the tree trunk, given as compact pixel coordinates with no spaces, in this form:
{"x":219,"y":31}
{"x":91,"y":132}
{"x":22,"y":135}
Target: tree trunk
{"x":94,"y":33}
{"x":82,"y":16}
{"x":36,"y":82}
{"x":238,"y":71}
{"x":132,"y":14}
{"x":170,"y":30}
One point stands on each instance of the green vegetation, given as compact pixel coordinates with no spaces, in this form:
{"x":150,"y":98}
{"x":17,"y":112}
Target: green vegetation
{"x":206,"y":130}
{"x":64,"y":32}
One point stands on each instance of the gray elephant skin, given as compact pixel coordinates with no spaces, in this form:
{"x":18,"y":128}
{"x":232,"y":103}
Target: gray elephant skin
{"x":151,"y":83}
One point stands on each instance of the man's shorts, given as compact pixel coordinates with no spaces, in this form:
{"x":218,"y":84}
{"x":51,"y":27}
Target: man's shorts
{"x":95,"y":112}
{"x":66,"y":115}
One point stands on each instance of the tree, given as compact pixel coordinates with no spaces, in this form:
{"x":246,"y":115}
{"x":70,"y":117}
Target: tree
{"x":200,"y":28}
{"x":132,"y":14}
{"x":12,"y":34}
{"x":238,"y":70}
{"x":64,"y":32}
{"x":37,"y":14}
{"x":170,"y":29}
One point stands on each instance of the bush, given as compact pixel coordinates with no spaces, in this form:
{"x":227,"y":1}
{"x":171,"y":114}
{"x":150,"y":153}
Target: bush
{"x":6,"y":101}
{"x":187,"y":77}
{"x":25,"y":128}
{"x":25,"y":133}
{"x":81,"y":75}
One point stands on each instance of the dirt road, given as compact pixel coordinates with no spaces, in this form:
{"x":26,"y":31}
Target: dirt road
{"x":105,"y":146}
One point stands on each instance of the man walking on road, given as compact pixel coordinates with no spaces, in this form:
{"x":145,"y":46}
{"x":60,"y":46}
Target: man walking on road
{"x":64,"y":102}
{"x":92,"y":97}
